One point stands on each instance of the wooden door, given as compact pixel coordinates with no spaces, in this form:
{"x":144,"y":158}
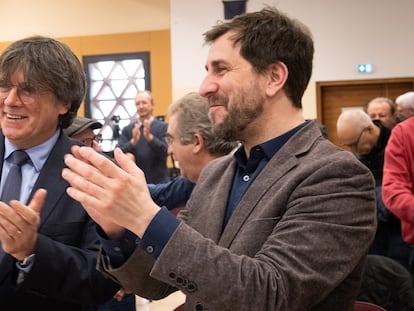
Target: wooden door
{"x":332,"y":96}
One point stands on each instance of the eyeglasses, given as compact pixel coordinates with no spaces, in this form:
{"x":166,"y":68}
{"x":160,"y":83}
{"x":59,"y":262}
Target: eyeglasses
{"x":24,"y":91}
{"x":89,"y":140}
{"x":169,"y":139}
{"x":356,"y":143}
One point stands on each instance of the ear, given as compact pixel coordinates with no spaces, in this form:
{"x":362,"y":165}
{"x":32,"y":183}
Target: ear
{"x":64,"y":107}
{"x":198,"y":142}
{"x":370,"y":127}
{"x":277,"y":74}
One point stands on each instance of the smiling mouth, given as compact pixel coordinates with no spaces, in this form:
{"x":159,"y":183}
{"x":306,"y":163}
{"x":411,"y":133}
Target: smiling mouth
{"x":15,"y":117}
{"x":214,"y":103}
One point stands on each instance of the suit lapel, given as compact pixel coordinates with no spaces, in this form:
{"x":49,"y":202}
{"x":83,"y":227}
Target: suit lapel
{"x":216,"y":180}
{"x":5,"y":260}
{"x":50,"y":177}
{"x":213,"y":221}
{"x":279,"y":165}
{"x":273,"y":171}
{"x":2,"y":150}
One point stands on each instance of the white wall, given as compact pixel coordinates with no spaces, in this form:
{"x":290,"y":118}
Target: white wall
{"x":346,"y":33}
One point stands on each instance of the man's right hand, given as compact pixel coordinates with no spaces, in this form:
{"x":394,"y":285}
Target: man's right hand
{"x":136,"y":133}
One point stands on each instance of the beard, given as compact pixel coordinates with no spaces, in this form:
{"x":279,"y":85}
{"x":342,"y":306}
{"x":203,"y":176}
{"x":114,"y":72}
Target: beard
{"x":246,"y":107}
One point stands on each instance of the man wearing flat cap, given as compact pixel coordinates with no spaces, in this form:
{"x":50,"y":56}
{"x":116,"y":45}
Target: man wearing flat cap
{"x":82,"y":129}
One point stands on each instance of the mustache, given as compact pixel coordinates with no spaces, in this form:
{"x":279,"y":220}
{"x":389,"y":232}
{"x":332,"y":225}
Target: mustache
{"x":218,"y":100}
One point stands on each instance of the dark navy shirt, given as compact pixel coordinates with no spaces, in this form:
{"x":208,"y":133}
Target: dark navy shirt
{"x":247,"y":169}
{"x":164,"y":223}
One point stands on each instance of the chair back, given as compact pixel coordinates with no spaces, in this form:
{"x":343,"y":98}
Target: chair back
{"x":367,"y":306}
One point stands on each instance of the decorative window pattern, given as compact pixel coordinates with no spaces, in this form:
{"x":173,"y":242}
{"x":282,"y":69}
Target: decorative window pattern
{"x":113,"y":82}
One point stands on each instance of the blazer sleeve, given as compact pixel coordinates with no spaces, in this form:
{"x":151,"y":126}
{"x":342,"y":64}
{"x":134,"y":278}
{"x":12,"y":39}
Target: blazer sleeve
{"x":124,"y":139}
{"x":289,"y":249}
{"x":172,"y":194}
{"x":65,"y":263}
{"x":159,"y":144}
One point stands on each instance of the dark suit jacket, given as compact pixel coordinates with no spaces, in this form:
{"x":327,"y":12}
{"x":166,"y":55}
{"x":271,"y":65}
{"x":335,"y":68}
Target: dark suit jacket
{"x":151,"y":157}
{"x":63,"y":275}
{"x":296,"y":241}
{"x":173,"y":194}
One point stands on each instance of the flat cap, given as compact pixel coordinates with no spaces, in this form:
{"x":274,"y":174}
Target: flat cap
{"x":81,"y":123}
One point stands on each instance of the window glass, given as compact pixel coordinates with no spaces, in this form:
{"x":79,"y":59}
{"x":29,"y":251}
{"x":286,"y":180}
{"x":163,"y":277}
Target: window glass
{"x":113,"y":82}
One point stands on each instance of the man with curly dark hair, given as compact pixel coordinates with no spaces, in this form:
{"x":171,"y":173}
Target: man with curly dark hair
{"x":48,"y":242}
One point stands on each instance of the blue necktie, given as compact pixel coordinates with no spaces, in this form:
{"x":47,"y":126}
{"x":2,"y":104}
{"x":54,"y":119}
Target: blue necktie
{"x":12,"y":186}
{"x":11,"y":189}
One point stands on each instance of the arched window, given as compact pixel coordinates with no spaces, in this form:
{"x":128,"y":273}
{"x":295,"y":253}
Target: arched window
{"x":113,"y":82}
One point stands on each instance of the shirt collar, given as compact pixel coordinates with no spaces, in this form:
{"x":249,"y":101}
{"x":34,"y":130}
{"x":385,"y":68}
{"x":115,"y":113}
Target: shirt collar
{"x":38,"y":154}
{"x":268,"y":148}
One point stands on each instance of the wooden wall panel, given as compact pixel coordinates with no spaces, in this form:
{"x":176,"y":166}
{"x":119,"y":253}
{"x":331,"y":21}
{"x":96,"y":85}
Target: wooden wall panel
{"x":332,"y":96}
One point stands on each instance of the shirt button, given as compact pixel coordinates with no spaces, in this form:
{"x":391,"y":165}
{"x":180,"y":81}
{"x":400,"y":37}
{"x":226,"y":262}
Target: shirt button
{"x":149,"y":249}
{"x":117,"y":249}
{"x":246,"y":178}
{"x":191,"y":287}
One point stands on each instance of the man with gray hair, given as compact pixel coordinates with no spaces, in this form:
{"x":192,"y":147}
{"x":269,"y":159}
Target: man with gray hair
{"x":191,"y":138}
{"x":405,"y":105}
{"x":382,"y":109}
{"x":367,"y":139}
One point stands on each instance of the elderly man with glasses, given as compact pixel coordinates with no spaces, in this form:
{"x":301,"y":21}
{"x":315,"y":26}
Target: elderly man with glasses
{"x":82,"y":129}
{"x":367,"y":139}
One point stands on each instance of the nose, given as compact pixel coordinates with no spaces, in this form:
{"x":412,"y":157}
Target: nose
{"x":208,"y":86}
{"x":12,"y":96}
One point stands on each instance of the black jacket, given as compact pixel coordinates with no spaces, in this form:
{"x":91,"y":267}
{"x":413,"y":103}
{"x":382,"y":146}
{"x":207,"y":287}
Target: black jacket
{"x":387,"y":283}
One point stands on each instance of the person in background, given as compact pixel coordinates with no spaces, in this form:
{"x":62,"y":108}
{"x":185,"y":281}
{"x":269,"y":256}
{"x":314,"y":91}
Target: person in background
{"x":405,"y":105}
{"x":398,"y":183}
{"x":48,"y":241}
{"x":193,"y":144}
{"x":387,"y":283}
{"x":367,"y":139}
{"x":382,"y":109}
{"x":145,"y":140}
{"x":82,"y":129}
{"x":172,"y":194}
{"x":253,"y":231}
{"x":191,"y":138}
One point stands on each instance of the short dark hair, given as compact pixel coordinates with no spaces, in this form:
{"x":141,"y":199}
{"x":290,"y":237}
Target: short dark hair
{"x":47,"y":65}
{"x":267,"y":37}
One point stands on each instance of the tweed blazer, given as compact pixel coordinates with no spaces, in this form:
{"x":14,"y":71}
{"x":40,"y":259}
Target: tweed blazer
{"x":63,"y":275}
{"x":296,"y":241}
